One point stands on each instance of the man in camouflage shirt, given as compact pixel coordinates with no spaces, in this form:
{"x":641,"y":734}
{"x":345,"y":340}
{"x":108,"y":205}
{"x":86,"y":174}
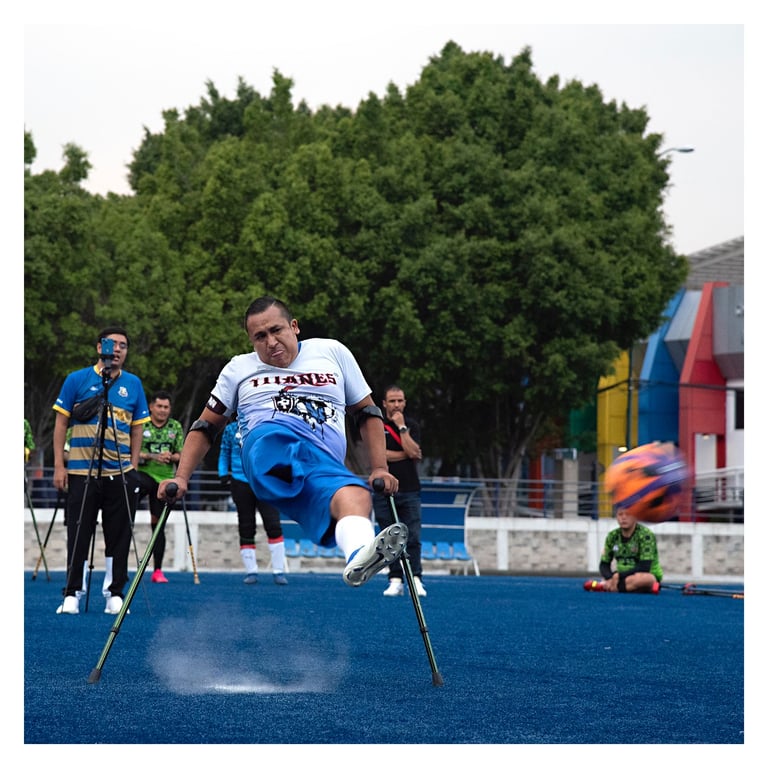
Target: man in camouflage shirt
{"x":632,"y":548}
{"x":160,"y":452}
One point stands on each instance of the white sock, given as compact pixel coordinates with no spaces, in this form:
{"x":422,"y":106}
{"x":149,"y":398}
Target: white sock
{"x":277,"y":551}
{"x":107,"y":577}
{"x":84,"y":586}
{"x":353,"y":532}
{"x":248,"y":556}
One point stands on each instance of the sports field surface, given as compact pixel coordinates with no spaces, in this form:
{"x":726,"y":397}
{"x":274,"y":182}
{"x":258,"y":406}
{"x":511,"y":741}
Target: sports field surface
{"x":523,"y":661}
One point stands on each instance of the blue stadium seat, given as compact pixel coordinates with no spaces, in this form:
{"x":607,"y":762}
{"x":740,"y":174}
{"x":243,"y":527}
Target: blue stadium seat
{"x":443,"y":550}
{"x":292,"y":548}
{"x":444,"y":507}
{"x":326,"y":551}
{"x":460,"y":551}
{"x":307,"y":548}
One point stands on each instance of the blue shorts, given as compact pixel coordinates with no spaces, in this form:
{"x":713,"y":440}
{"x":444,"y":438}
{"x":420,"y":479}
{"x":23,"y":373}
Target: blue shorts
{"x":296,"y":477}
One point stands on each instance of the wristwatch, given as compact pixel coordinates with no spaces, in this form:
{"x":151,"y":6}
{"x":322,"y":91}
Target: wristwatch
{"x":402,"y":429}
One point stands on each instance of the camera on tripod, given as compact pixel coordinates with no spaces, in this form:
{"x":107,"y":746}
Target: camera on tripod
{"x":107,"y":352}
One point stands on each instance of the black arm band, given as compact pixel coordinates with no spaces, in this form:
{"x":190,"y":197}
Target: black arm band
{"x":201,"y":425}
{"x":369,"y":412}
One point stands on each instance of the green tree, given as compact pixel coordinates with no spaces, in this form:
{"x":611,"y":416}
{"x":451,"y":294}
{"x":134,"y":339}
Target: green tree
{"x":545,"y":254}
{"x":60,"y":294}
{"x":486,"y":239}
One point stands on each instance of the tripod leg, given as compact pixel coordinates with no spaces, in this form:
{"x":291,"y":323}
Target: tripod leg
{"x":108,"y":417}
{"x":34,"y":524}
{"x":72,"y":542}
{"x":88,"y":568}
{"x":132,"y":528}
{"x":95,"y":675}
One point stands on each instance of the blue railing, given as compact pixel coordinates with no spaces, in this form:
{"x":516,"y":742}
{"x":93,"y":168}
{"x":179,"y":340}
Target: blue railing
{"x":492,"y":497}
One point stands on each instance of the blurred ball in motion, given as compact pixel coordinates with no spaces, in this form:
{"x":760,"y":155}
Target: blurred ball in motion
{"x":649,"y":482}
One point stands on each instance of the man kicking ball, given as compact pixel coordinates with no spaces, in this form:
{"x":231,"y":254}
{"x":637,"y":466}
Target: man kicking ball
{"x":291,"y":398}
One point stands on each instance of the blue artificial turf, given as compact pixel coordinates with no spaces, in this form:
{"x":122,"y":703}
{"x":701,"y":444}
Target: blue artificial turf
{"x":524,"y":661}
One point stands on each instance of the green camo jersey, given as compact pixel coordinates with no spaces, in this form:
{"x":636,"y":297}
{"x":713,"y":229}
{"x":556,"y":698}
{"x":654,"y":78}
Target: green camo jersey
{"x":29,"y":440}
{"x":641,"y":545}
{"x":158,"y":440}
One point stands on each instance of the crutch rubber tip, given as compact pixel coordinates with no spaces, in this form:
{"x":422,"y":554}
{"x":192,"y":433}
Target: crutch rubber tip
{"x":95,"y":675}
{"x":437,"y":679}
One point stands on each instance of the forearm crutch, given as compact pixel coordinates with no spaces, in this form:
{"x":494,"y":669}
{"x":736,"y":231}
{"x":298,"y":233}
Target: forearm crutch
{"x":170,"y":491}
{"x":692,"y":589}
{"x":47,"y":536}
{"x":189,"y":539}
{"x":437,"y":678}
{"x":34,"y":525}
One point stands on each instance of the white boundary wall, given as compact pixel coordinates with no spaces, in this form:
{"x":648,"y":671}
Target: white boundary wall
{"x":697,"y":552}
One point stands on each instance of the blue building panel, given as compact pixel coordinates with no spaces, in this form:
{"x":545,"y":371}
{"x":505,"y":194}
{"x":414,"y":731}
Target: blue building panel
{"x":658,"y":387}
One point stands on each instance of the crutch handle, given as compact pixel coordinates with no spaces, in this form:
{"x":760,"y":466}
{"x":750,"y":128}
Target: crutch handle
{"x":378,"y":485}
{"x":171,"y":490}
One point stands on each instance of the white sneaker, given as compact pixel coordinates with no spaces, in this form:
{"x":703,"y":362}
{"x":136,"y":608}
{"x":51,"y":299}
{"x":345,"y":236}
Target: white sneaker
{"x":395,"y":588}
{"x":387,"y":546}
{"x":114,"y":604}
{"x":70,"y":605}
{"x":420,"y":591}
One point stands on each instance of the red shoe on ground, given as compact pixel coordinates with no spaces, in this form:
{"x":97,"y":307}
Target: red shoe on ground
{"x":656,"y":588}
{"x":158,"y":577}
{"x":592,"y":585}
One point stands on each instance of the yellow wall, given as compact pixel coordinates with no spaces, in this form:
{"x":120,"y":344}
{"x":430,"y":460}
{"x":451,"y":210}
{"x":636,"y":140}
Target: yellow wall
{"x":612,"y":420}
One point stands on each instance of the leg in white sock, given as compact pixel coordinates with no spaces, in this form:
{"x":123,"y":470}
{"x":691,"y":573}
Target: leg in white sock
{"x":353,"y":532}
{"x":84,"y":586}
{"x":277,"y":552}
{"x":248,"y":556}
{"x":365,"y":552}
{"x":107,"y":577}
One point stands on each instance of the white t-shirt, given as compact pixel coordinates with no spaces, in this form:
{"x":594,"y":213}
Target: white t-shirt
{"x":309,"y":397}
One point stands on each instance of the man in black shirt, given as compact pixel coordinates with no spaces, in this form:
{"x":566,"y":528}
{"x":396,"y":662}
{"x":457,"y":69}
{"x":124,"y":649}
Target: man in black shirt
{"x":403,"y":452}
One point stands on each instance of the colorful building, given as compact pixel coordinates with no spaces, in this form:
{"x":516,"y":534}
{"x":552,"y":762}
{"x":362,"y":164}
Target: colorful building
{"x":685,"y":384}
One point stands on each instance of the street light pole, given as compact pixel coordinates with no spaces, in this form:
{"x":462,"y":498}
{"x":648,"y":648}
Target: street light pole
{"x":628,"y":436}
{"x":684,"y":150}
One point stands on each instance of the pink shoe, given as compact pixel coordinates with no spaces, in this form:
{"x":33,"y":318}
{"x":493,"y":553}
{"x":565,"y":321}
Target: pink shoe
{"x":158,"y":577}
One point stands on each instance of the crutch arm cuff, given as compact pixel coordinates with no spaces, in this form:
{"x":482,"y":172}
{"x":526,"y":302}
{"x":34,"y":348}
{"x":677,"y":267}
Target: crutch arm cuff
{"x":368,"y":412}
{"x":208,"y":429}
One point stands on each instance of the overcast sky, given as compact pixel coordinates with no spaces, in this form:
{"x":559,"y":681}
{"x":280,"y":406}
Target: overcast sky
{"x":99,"y":85}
